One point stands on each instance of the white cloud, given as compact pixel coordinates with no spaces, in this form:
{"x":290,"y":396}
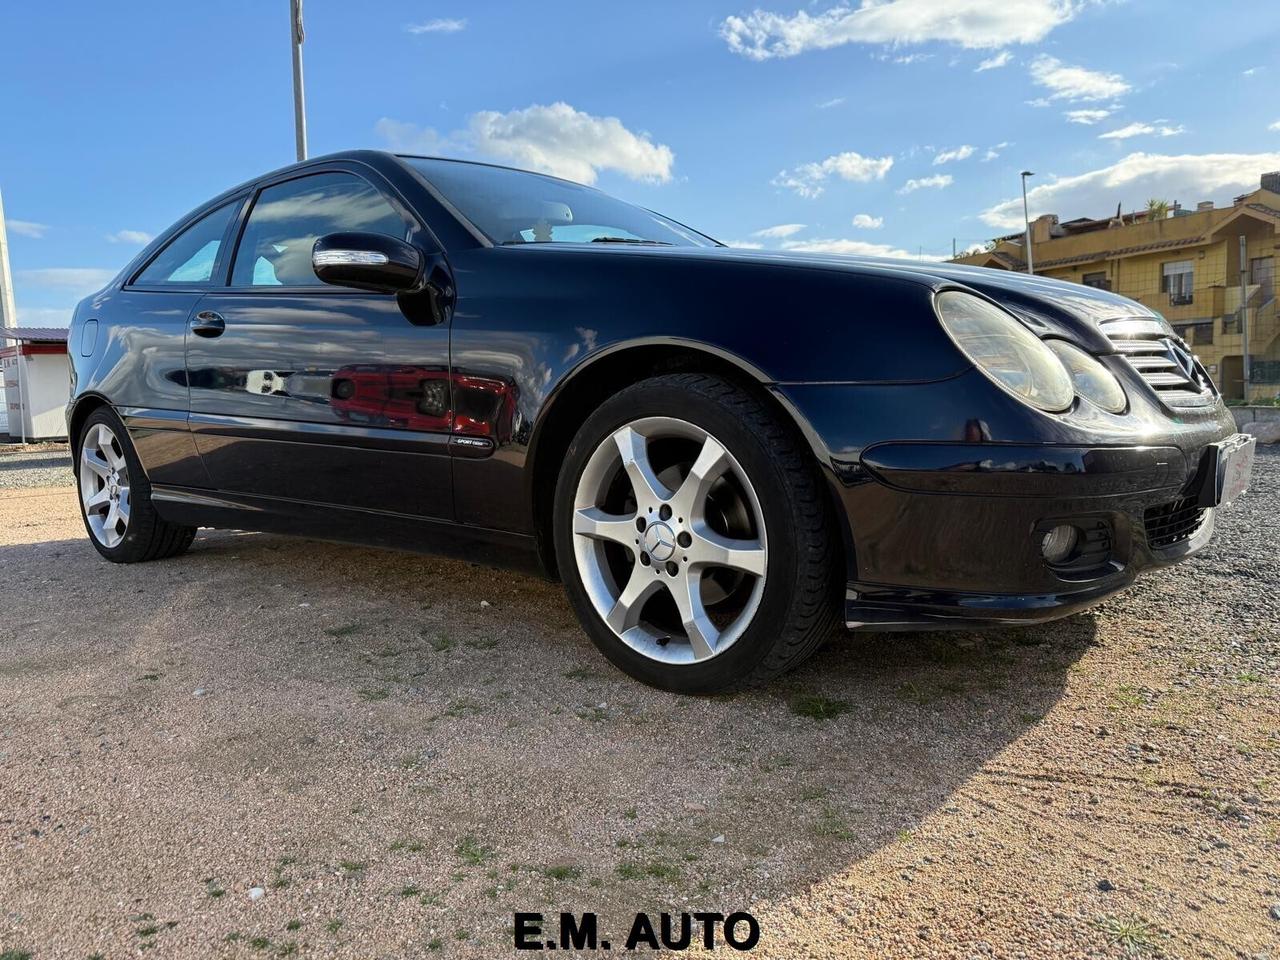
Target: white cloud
{"x":833,"y":102}
{"x":138,"y":237}
{"x":865,"y":221}
{"x":853,"y":248}
{"x":807,"y":179}
{"x":1088,"y":116}
{"x":937,"y":182}
{"x":857,"y":248}
{"x":555,"y":139}
{"x":438,"y":26}
{"x":75,"y":280}
{"x":744,"y":244}
{"x":1275,"y":127}
{"x":27,"y":228}
{"x":994,"y":152}
{"x":1066,"y":82}
{"x":1252,"y":71}
{"x":781,"y":230}
{"x":959,"y":153}
{"x":410,"y":138}
{"x":762,"y":35}
{"x":995,"y":63}
{"x":1132,"y":180}
{"x":1139,"y":129}
{"x":560,"y":140}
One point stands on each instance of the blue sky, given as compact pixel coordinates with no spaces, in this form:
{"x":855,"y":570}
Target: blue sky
{"x":878,"y":127}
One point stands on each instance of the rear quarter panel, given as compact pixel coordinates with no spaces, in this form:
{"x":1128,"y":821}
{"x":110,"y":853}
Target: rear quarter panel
{"x":136,"y":363}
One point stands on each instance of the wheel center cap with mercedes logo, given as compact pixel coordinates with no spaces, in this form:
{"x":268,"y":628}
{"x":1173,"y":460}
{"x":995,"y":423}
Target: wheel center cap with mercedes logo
{"x":659,"y":541}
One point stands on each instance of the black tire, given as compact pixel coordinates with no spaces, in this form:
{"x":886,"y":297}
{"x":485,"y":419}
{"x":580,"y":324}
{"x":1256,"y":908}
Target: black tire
{"x":147,"y":536}
{"x":800,"y":601}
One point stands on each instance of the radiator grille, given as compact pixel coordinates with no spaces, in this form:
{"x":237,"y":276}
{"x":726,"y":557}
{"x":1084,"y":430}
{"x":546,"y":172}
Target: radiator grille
{"x":1172,"y":523}
{"x":1163,"y":360}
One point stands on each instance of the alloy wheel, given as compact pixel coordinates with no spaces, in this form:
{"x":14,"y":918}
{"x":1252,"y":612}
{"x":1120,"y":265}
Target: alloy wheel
{"x":104,"y":485}
{"x":669,"y":540}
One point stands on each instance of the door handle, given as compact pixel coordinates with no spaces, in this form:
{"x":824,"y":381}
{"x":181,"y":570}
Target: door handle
{"x":206,"y":323}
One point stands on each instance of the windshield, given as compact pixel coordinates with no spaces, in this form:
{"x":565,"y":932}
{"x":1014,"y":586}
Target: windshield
{"x":511,"y":206}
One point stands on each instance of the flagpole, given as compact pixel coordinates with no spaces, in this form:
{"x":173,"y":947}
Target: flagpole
{"x":9,"y":318}
{"x":299,"y":98}
{"x":8,"y":315}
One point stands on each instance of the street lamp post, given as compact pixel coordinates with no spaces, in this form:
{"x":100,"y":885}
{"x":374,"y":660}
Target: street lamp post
{"x":1026,"y":219}
{"x":299,"y":98}
{"x":1244,"y":313}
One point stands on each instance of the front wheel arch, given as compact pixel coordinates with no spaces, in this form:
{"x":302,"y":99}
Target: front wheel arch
{"x":791,"y":602}
{"x":594,"y":380}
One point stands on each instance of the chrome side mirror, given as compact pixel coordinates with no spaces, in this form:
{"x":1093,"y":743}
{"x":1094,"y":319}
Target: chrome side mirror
{"x":367,"y":261}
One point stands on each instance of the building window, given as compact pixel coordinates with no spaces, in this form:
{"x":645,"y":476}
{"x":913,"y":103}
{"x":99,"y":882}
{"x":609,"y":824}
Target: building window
{"x":1177,"y":281}
{"x":1262,"y":271}
{"x":1098,"y":280}
{"x":1198,"y":334}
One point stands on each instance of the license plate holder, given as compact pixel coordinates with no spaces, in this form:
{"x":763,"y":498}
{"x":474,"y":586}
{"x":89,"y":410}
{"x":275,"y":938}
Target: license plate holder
{"x":1228,"y":467}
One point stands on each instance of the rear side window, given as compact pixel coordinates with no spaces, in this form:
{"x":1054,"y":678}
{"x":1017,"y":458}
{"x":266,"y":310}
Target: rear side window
{"x":189,"y":257}
{"x":287,"y":219}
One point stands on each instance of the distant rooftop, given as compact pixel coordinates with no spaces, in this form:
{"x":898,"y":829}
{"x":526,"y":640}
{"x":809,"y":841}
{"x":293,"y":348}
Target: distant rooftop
{"x":1198,"y":225}
{"x":35,"y":334}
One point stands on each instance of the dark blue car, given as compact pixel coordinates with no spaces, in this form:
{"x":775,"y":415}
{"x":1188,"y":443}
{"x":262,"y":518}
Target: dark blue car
{"x":723,"y":454}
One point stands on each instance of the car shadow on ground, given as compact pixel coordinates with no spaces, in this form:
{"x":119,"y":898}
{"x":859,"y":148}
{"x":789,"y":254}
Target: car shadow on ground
{"x":449,"y":728}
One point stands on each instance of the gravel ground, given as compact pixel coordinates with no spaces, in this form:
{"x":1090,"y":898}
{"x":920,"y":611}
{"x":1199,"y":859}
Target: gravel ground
{"x":275,"y":747}
{"x":35,"y":465}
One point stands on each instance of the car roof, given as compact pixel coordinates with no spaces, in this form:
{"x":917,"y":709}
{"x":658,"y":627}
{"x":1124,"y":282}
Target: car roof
{"x":372,"y":157}
{"x":485,"y":163}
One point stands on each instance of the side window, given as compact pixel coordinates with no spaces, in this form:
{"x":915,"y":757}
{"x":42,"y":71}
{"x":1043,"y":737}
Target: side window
{"x":287,"y":219}
{"x":189,"y":257}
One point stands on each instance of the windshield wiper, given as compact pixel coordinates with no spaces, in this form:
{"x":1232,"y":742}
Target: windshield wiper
{"x":658,"y":243}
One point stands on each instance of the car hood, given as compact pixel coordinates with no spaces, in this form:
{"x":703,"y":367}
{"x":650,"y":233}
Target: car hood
{"x":1051,"y":307}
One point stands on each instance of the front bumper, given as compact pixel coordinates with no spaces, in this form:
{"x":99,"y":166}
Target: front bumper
{"x":951,"y":533}
{"x":944,"y":489}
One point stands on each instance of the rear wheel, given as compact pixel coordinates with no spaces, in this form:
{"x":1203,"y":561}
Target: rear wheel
{"x":115,"y":496}
{"x":693,"y":536}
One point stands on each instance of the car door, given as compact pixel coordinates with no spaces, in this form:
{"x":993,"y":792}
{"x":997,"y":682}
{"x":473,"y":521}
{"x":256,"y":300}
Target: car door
{"x":140,"y":352}
{"x":310,"y":392}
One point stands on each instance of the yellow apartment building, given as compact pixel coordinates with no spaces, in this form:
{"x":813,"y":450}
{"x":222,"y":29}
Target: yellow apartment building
{"x":1197,"y":267}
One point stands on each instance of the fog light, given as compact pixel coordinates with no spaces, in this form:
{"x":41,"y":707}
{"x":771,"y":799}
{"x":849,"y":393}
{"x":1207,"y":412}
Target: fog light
{"x":1058,"y":543}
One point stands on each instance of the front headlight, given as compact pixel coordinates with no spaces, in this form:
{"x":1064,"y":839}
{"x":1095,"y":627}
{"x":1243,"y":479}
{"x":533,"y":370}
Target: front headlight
{"x":1092,"y":380}
{"x":1006,"y":351}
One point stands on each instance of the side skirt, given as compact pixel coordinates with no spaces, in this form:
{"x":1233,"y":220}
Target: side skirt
{"x":371,"y":528}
